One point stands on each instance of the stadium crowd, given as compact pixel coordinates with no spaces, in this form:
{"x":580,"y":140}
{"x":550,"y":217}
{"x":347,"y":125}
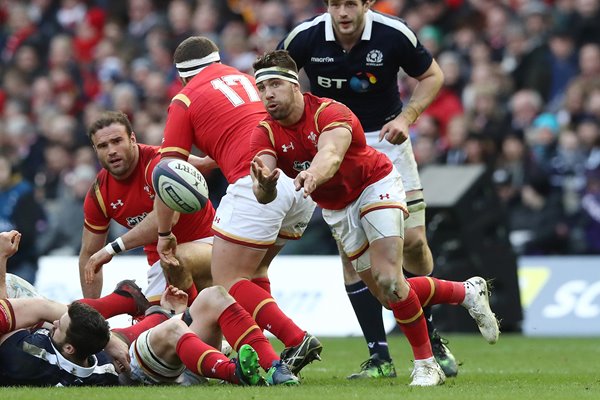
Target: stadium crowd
{"x":521,"y":96}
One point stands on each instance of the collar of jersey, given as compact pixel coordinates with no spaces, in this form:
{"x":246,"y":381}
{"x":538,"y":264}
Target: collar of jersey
{"x":77,"y":370}
{"x":366,"y":35}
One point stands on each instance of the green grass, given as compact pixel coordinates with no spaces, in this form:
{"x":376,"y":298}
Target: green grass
{"x":514,"y":368}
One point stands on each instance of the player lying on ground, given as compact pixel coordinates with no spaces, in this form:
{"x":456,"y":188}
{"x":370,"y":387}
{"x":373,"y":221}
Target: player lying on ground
{"x":70,"y":353}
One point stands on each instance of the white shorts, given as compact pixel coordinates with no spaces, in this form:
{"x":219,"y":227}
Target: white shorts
{"x":402,"y":157}
{"x":157,"y":282}
{"x":147,"y":367}
{"x":379,"y":212}
{"x":241,"y":219}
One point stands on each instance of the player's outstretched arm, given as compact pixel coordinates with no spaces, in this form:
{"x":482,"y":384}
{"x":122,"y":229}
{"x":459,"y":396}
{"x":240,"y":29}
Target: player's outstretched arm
{"x":9,"y":244}
{"x":264,"y":178}
{"x":331,"y":149}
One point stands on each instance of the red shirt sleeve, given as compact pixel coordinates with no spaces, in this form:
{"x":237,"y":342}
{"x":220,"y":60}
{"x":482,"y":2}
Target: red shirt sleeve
{"x":262,"y":140}
{"x":96,"y":219}
{"x":179,"y":130}
{"x":149,"y":168}
{"x":334,"y":115}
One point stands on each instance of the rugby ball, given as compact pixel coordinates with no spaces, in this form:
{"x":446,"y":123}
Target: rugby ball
{"x":180,"y":185}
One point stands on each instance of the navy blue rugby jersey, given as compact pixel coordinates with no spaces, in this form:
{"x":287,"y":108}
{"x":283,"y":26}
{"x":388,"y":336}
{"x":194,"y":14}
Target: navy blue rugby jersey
{"x":365,"y":78}
{"x":30,"y":359}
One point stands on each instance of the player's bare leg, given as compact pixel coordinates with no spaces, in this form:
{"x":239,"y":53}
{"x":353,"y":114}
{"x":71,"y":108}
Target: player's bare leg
{"x":233,"y":262}
{"x":368,"y":310}
{"x":386,"y":268}
{"x":233,"y":267}
{"x":418,"y":261}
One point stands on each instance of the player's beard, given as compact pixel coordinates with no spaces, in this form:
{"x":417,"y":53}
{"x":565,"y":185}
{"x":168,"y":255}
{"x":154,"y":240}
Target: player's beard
{"x":123,"y":168}
{"x":284,"y":106}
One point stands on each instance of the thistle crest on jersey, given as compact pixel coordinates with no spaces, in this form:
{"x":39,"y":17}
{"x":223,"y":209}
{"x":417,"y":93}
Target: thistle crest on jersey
{"x":375,"y":58}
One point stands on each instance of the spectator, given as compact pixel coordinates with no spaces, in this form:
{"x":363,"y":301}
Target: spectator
{"x":591,"y":211}
{"x":20,"y":211}
{"x":60,"y":237}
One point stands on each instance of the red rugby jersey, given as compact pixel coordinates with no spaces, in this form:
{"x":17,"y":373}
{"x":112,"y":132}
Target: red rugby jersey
{"x":216,"y":111}
{"x":128,"y":202}
{"x":295,"y":146}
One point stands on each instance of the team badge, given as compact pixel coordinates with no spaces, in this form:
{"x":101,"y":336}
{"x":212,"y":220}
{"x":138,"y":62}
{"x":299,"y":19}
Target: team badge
{"x":313,"y":138}
{"x":375,"y":58}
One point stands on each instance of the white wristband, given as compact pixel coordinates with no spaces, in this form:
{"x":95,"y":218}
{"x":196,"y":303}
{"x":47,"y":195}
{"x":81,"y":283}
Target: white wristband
{"x":115,"y":247}
{"x":109,"y":249}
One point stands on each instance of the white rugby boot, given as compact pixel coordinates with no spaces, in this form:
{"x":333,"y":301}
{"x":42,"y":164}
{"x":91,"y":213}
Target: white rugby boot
{"x":427,"y":373}
{"x":477,"y":302}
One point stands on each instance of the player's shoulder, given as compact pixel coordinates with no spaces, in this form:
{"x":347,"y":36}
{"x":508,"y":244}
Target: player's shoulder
{"x":384,"y":25}
{"x":312,"y":28}
{"x":147,"y":152}
{"x":101,"y":182}
{"x":315,"y":102}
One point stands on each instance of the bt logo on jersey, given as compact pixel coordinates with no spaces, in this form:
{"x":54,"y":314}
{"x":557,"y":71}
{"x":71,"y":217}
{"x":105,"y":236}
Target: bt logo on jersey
{"x":330,"y":82}
{"x":360,"y":83}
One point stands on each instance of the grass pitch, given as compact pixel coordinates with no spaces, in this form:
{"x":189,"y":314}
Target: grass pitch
{"x":514,"y":368}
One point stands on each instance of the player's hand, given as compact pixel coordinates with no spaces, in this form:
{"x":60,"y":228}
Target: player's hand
{"x":119,"y":351}
{"x":167,"y":248}
{"x":174,"y":299}
{"x":395,"y":131}
{"x":261,"y":174}
{"x":95,"y":263}
{"x":9,"y":243}
{"x":307,"y":181}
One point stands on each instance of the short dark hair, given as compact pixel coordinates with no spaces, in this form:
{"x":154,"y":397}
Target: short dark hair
{"x":276,"y":58}
{"x":107,"y":119}
{"x":88,"y":331}
{"x":194,"y":47}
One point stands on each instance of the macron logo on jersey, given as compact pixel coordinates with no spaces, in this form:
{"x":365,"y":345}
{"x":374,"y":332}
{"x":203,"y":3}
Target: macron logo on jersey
{"x":322,"y":59}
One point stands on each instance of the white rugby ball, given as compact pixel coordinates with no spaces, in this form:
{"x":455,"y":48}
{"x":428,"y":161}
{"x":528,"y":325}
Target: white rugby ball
{"x":180,"y":185}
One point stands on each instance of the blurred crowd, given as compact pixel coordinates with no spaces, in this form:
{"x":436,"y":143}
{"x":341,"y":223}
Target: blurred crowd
{"x":521,"y":95}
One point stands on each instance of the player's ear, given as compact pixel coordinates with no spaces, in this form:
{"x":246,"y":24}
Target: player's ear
{"x":133,"y":138}
{"x":68,"y":348}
